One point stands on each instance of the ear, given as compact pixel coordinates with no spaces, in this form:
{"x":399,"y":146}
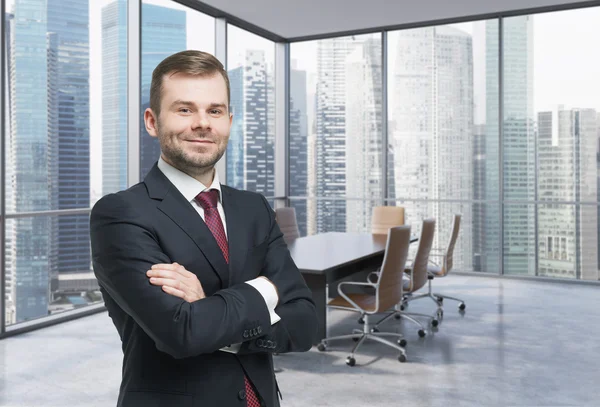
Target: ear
{"x":151,"y":122}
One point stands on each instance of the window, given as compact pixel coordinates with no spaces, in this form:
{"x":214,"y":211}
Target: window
{"x":251,"y":148}
{"x":167,"y":28}
{"x":442,"y":102}
{"x":65,"y":91}
{"x":335,"y":148}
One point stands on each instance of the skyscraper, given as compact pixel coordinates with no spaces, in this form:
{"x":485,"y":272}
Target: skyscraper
{"x":567,"y":234}
{"x":330,"y":148}
{"x":251,"y":149}
{"x":364,"y":148}
{"x":33,"y":156}
{"x":432,"y":133}
{"x":71,"y":82}
{"x":114,"y":97}
{"x":479,"y":209}
{"x":298,"y":145}
{"x":164,"y":33}
{"x":518,"y":148}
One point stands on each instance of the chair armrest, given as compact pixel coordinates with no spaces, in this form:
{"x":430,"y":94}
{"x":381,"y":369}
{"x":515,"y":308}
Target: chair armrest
{"x":345,"y":296}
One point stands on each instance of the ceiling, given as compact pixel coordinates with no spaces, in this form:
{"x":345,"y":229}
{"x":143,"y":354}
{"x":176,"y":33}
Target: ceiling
{"x":293,"y":19}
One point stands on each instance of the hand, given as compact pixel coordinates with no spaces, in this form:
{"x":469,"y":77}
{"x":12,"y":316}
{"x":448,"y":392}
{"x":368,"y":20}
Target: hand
{"x":177,"y":281}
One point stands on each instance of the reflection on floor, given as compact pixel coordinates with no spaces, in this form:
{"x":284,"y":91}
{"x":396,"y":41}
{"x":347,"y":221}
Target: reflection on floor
{"x":520,"y":343}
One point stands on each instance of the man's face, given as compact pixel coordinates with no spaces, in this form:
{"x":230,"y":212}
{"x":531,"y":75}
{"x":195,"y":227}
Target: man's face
{"x":194,"y":122}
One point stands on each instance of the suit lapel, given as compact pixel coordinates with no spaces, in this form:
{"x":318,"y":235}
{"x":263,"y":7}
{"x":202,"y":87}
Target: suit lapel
{"x":236,"y":231}
{"x":180,"y":211}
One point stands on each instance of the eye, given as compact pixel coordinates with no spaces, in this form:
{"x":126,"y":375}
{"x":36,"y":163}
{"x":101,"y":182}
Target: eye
{"x":215,"y":111}
{"x":185,"y":110}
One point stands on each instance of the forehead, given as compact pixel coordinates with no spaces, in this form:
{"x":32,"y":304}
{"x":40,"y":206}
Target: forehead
{"x":203,"y":89}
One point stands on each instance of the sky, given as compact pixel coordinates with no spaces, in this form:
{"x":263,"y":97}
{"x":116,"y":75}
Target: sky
{"x":566,"y":61}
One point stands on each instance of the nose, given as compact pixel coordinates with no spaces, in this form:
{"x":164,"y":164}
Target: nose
{"x":201,"y":121}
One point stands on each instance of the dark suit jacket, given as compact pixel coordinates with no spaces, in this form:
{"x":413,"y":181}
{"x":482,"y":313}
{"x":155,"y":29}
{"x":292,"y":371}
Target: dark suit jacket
{"x":171,"y":347}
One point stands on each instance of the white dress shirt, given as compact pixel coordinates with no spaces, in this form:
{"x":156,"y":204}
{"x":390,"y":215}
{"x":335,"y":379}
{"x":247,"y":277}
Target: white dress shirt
{"x":190,"y":188}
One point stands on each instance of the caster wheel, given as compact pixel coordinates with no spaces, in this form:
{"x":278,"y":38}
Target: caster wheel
{"x":355,"y":339}
{"x":375,"y":329}
{"x":434,"y":322}
{"x":462,"y":306}
{"x":321,"y":347}
{"x":402,"y":307}
{"x":361,"y":320}
{"x":421,"y":333}
{"x":440,"y":299}
{"x":402,"y":342}
{"x":350,"y":361}
{"x":402,"y":358}
{"x":397,"y":316}
{"x":440,"y":313}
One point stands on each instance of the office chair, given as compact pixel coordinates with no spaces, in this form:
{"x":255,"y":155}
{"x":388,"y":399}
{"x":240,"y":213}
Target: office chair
{"x":441,"y":270}
{"x":386,"y":217}
{"x":417,"y":277}
{"x":286,"y":219}
{"x":388,"y":292}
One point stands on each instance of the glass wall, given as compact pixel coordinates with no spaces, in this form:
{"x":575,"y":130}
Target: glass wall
{"x":167,"y":28}
{"x":513,"y":145}
{"x":336,"y":139}
{"x":251,"y":149}
{"x":64,"y":90}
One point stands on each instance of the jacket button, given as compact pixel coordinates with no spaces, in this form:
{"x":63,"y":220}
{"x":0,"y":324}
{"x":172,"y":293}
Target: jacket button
{"x":242,"y":395}
{"x":245,"y":334}
{"x":259,"y":329}
{"x":259,"y":342}
{"x":254,"y":332}
{"x":269,"y":344}
{"x":274,"y":344}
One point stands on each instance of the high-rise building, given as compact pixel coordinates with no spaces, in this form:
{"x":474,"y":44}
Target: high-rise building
{"x":479,"y":209}
{"x":9,"y":246}
{"x":164,"y":33}
{"x":114,"y":97}
{"x":567,"y":234}
{"x":432,"y":133}
{"x":518,"y":149}
{"x":298,"y":146}
{"x":330,"y":149}
{"x":364,"y":148}
{"x":251,"y":148}
{"x":33,"y":144}
{"x":71,"y":82}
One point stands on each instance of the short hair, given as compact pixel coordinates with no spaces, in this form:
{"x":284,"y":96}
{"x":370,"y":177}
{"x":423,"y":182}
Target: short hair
{"x":189,"y":62}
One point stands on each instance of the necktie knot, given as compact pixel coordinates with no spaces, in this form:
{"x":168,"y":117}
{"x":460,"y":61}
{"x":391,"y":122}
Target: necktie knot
{"x":208,"y":199}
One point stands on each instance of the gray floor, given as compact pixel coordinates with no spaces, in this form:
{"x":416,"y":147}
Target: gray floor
{"x":520,"y":343}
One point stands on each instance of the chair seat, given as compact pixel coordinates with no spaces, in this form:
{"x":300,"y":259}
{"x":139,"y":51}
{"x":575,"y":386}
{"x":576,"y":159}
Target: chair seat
{"x":435,"y":270}
{"x":365,"y":301}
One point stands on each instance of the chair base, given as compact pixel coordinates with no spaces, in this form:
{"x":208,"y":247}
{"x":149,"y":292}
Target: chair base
{"x":435,"y":297}
{"x":368,"y":333}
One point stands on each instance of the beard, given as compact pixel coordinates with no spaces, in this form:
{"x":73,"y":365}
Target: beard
{"x":190,"y":162}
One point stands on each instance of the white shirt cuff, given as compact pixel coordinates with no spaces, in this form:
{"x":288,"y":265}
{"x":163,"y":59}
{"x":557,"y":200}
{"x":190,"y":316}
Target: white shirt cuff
{"x":235,"y":348}
{"x":269,"y":293}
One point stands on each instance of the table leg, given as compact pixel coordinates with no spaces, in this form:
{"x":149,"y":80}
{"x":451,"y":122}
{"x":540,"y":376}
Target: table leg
{"x":318,"y":286}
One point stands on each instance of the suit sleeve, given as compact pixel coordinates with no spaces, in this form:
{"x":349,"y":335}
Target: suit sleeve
{"x":297,"y":329}
{"x":124,"y":247}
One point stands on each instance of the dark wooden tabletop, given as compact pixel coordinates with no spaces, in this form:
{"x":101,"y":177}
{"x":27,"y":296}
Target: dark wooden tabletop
{"x":320,"y":253}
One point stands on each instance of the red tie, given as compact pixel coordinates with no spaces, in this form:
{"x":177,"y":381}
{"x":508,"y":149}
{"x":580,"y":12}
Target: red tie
{"x":208,"y":201}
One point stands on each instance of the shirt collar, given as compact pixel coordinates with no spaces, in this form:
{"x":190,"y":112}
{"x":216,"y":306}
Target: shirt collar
{"x":189,"y":187}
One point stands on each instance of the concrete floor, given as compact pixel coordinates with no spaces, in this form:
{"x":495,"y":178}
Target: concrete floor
{"x":520,"y":343}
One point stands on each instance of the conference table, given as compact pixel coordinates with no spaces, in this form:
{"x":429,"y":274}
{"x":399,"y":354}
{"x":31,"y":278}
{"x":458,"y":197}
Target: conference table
{"x":329,"y":257}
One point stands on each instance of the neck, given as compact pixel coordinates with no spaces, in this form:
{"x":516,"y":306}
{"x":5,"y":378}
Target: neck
{"x":205,"y":175}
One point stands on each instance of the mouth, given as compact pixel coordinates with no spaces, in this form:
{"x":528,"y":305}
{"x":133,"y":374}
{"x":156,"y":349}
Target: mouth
{"x":201,"y":141}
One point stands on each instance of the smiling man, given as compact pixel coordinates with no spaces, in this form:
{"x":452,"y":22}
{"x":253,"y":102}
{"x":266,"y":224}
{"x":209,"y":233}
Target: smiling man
{"x":196,"y":275}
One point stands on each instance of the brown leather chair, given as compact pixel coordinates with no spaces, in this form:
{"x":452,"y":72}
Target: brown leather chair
{"x":286,"y":219}
{"x":417,"y":277}
{"x":388,"y":292}
{"x":386,"y":217}
{"x":442,"y":269}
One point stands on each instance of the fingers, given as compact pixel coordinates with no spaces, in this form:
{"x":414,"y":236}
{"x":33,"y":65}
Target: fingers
{"x":176,"y":267}
{"x":167,"y":282}
{"x":175,"y":292}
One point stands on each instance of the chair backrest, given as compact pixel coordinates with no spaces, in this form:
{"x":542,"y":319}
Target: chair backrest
{"x":286,"y":219}
{"x":389,"y":284}
{"x":419,"y":267}
{"x":386,"y":217}
{"x":447,"y":265}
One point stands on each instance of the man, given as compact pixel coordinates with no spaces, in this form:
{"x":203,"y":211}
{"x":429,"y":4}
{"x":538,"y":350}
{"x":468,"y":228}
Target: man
{"x":195,"y":275}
